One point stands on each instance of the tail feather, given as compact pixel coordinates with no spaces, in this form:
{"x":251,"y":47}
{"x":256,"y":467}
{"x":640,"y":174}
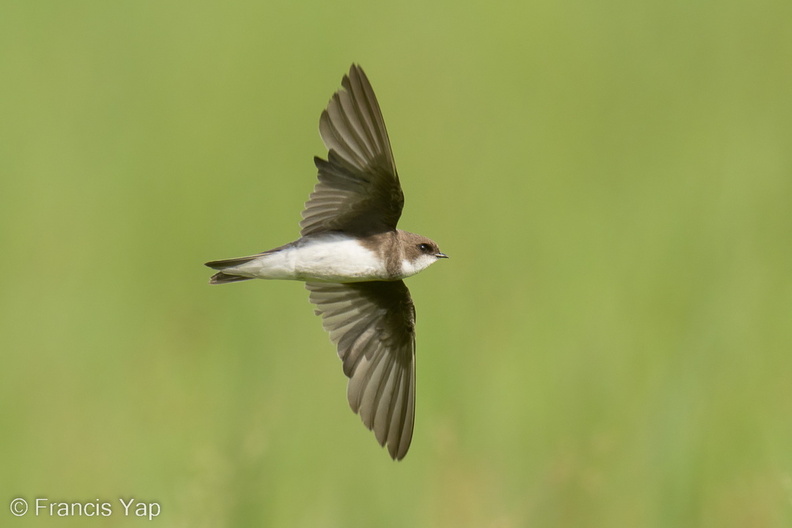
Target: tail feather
{"x":228,"y":263}
{"x":224,"y":267}
{"x":222,"y":277}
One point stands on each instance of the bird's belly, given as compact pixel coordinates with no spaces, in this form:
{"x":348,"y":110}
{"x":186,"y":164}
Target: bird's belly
{"x":337,"y":259}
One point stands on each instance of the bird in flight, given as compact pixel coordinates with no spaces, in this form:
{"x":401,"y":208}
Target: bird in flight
{"x":352,"y":259}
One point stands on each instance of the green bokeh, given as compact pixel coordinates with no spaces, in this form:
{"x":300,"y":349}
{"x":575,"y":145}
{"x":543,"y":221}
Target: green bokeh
{"x":609,"y":345}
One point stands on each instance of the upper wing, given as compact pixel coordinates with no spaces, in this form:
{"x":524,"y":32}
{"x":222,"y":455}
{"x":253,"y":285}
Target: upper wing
{"x":358,"y":189}
{"x":373,"y":325}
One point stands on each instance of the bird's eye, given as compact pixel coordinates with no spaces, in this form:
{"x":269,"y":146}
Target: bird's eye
{"x":426,"y":248}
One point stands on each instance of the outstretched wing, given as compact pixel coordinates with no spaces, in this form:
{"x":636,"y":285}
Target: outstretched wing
{"x":358,"y":190}
{"x":373,"y":326}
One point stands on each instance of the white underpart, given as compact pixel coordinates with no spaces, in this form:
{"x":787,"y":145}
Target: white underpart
{"x":329,"y":258}
{"x":411,"y":267}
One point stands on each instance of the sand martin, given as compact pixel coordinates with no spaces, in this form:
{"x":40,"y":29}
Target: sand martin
{"x":353,"y":259}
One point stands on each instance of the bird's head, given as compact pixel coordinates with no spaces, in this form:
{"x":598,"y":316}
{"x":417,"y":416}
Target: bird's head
{"x":418,"y":253}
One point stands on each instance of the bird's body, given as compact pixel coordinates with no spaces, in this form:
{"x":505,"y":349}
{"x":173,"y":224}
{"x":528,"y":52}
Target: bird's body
{"x":352,"y":258}
{"x":329,"y":257}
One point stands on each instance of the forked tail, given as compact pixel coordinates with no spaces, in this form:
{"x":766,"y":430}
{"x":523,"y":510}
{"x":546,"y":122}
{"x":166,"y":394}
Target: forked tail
{"x":223,"y":277}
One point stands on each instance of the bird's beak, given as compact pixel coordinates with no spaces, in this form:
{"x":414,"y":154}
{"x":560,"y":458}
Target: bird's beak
{"x":441,"y":255}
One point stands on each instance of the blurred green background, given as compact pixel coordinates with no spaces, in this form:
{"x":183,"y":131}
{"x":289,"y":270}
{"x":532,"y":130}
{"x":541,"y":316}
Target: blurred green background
{"x":609,"y":344}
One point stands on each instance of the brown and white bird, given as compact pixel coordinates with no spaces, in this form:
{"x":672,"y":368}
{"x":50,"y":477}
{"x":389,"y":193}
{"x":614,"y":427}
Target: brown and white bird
{"x":352,"y":259}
